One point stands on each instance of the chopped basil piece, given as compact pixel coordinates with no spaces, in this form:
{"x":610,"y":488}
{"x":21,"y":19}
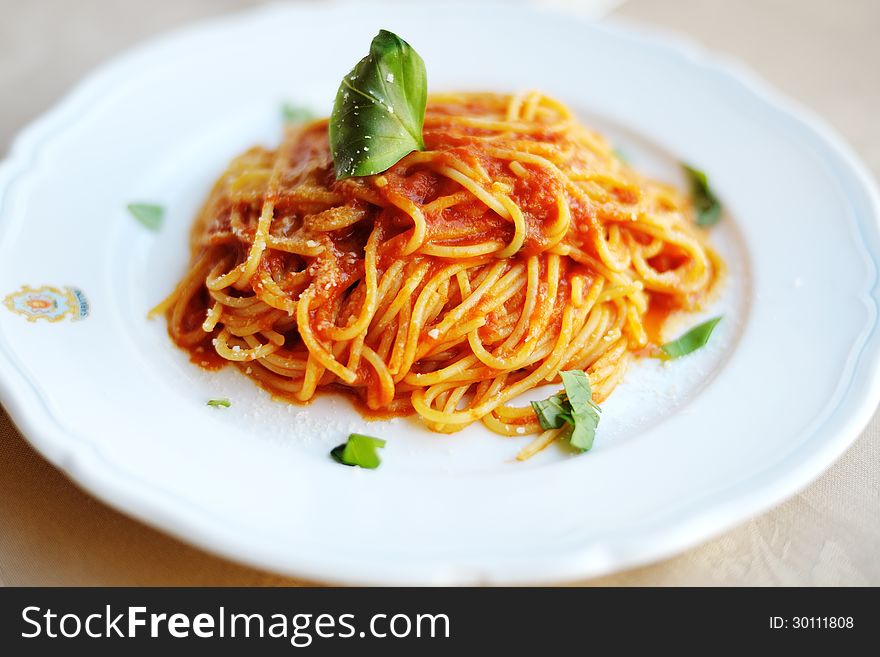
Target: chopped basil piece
{"x":216,"y":403}
{"x":690,"y":341}
{"x":379,"y":110}
{"x":620,"y":155}
{"x":296,"y":114}
{"x":359,"y":450}
{"x":147,"y":214}
{"x":553,"y":412}
{"x":584,"y":411}
{"x":574,"y":407}
{"x":336,"y":453}
{"x":706,"y":204}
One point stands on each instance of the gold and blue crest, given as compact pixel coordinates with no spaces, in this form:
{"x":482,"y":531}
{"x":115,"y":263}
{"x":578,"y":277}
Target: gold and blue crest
{"x":47,"y":302}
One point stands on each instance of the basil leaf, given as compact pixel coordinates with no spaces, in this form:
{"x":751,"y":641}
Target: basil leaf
{"x":379,"y":110}
{"x":690,"y":341}
{"x":296,"y":114}
{"x":574,"y":408}
{"x":216,"y":403}
{"x":583,"y":410}
{"x":706,"y":204}
{"x":359,"y":450}
{"x":336,"y":453}
{"x":552,"y":412}
{"x":148,"y":214}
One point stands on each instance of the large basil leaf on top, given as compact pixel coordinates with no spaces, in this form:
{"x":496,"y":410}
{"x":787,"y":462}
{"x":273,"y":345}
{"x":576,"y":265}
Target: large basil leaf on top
{"x":379,"y":109}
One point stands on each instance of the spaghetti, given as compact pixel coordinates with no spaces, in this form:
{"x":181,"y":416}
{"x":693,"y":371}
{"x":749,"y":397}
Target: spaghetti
{"x":516,"y":246}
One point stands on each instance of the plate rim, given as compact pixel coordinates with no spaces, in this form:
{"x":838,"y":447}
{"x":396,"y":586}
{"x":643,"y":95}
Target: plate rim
{"x":82,"y":464}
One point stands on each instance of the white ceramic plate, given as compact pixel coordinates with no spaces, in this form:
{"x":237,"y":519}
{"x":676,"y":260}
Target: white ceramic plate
{"x":683,"y":452}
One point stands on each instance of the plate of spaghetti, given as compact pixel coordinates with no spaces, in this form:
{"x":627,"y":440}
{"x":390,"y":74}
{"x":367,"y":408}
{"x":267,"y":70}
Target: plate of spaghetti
{"x":393,"y":311}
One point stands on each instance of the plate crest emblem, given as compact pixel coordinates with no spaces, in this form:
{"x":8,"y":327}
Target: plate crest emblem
{"x":53,"y":304}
